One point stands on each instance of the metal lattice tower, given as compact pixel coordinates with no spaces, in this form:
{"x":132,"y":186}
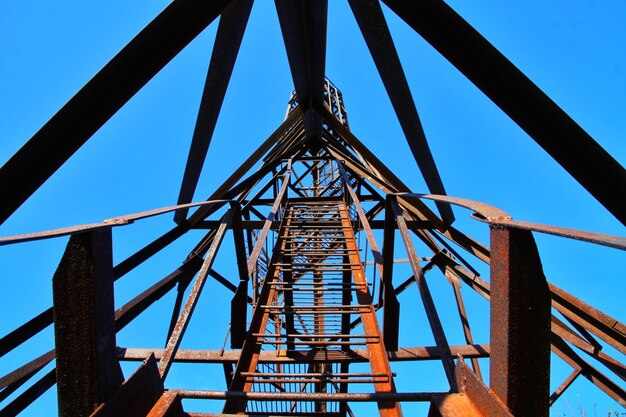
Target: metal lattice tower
{"x":316,"y":222}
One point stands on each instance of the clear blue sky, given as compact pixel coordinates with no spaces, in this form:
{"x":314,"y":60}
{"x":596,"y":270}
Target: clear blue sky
{"x":573,"y":50}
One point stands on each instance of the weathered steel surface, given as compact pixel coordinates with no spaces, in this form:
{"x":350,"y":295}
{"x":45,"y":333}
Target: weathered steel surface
{"x":520,"y":323}
{"x":251,"y":350}
{"x":230,"y":32}
{"x":453,"y":405}
{"x":377,"y":351}
{"x":482,"y":398}
{"x":355,"y":356}
{"x":373,"y":26}
{"x":239,"y":303}
{"x":300,"y":349}
{"x":467,"y":332}
{"x":106,"y":224}
{"x":303,"y":25}
{"x":310,"y":396}
{"x":137,"y":395}
{"x":391,"y":313}
{"x":87,"y":369}
{"x":169,"y":405}
{"x":494,"y":215}
{"x":192,"y":300}
{"x":613,"y":390}
{"x":431,"y":312}
{"x":285,"y":129}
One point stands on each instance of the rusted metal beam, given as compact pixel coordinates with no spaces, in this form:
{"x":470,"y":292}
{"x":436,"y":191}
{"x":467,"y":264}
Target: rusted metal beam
{"x":125,"y":314}
{"x":106,"y":224}
{"x":147,"y":252}
{"x":294,"y":138}
{"x":13,"y":386}
{"x":288,"y":279}
{"x":495,"y":216}
{"x":391,"y":312}
{"x":84,"y":328}
{"x":286,"y":128}
{"x":230,"y":32}
{"x":272,"y":183}
{"x":562,"y":349}
{"x":192,"y":300}
{"x":427,"y":301}
{"x":356,"y":356}
{"x":239,"y":303}
{"x":387,"y":174}
{"x":181,"y":287}
{"x":381,"y":397}
{"x":28,"y":369}
{"x":600,"y":324}
{"x":25,"y":331}
{"x":375,"y":31}
{"x":594,"y":350}
{"x":168,"y":405}
{"x":346,"y":299}
{"x":467,"y":332}
{"x":451,"y":233}
{"x":29,"y":395}
{"x":565,"y":352}
{"x":520,"y":323}
{"x":303,"y":25}
{"x":474,"y":399}
{"x":282,"y":194}
{"x":376,"y":350}
{"x":137,"y":395}
{"x":501,"y":81}
{"x":565,"y":385}
{"x":410,"y":201}
{"x":250,"y":351}
{"x":102,"y":97}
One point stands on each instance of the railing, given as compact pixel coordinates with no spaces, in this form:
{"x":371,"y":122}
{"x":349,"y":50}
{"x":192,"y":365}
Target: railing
{"x":522,"y":325}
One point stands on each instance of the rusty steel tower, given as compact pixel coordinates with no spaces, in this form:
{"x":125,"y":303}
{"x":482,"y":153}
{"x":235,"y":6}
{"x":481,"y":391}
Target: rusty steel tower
{"x":315,"y":225}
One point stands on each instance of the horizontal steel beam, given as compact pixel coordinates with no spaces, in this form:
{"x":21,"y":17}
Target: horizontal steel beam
{"x":359,"y":355}
{"x":258,"y":224}
{"x":308,"y":396}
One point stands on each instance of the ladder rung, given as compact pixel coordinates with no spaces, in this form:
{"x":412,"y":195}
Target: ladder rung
{"x":314,"y":343}
{"x":342,"y":307}
{"x":333,"y":335}
{"x":313,"y":380}
{"x":319,"y":374}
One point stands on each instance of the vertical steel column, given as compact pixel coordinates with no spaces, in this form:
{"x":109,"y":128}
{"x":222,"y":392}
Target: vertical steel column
{"x":520,"y":323}
{"x":319,"y":328}
{"x":391,"y":312}
{"x":346,"y":299}
{"x":288,"y":296}
{"x":239,"y":303}
{"x":84,"y":324}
